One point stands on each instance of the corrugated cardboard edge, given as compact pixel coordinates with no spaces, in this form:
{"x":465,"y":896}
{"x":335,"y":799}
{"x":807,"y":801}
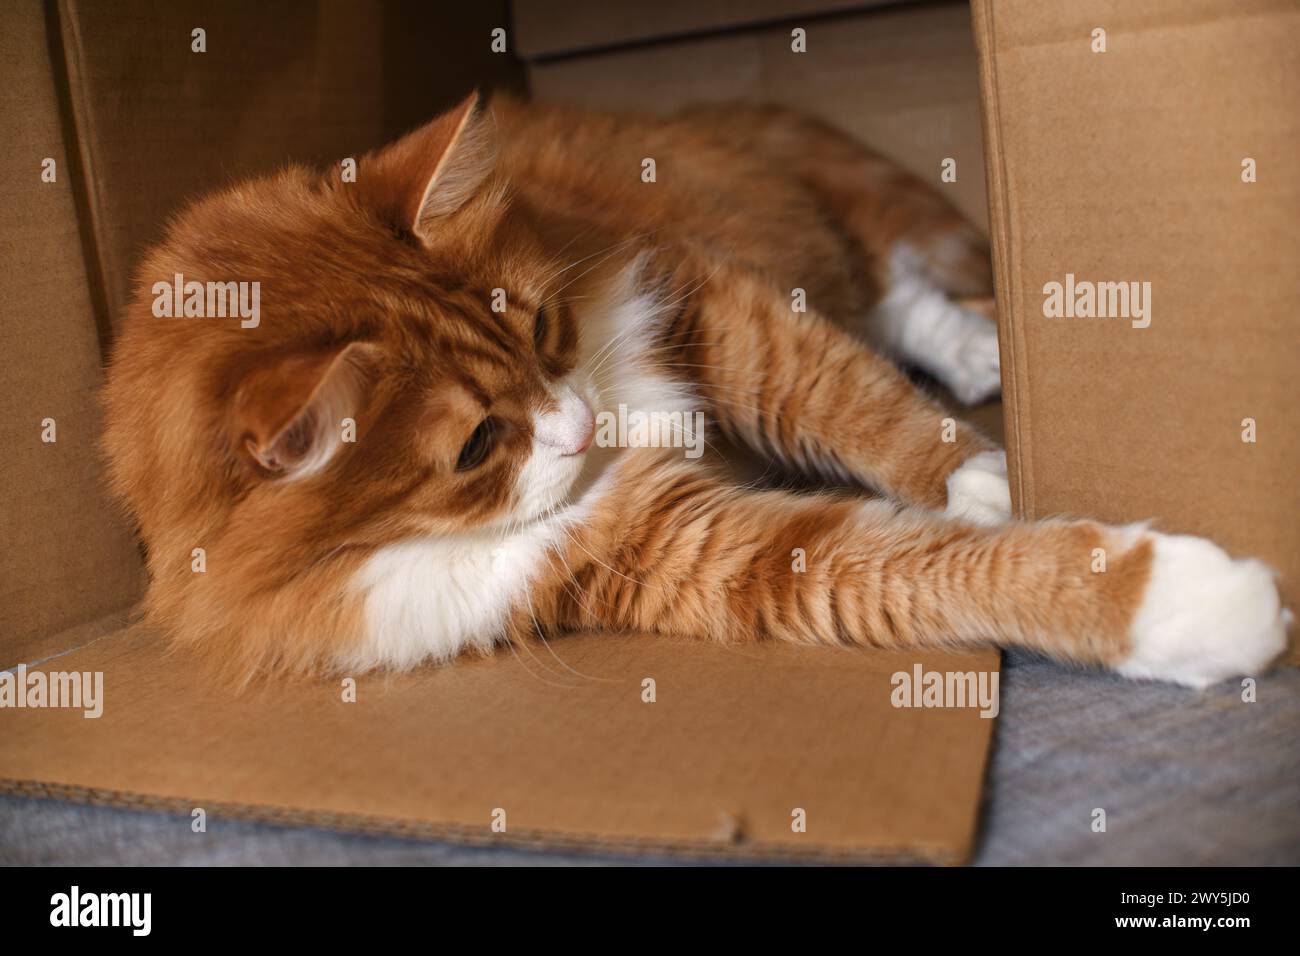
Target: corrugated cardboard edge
{"x":542,"y":840}
{"x":537,"y":839}
{"x":1010,"y":342}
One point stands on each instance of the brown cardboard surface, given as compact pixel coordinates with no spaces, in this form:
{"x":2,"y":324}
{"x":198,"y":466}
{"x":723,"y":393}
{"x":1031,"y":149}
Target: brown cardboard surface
{"x":902,"y":80}
{"x":65,"y":557}
{"x":560,"y":738}
{"x":1126,"y":165}
{"x":546,"y":28}
{"x":311,"y":82}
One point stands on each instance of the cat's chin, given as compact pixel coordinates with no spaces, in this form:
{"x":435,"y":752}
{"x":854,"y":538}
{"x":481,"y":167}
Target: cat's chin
{"x":548,"y":489}
{"x":538,"y":515}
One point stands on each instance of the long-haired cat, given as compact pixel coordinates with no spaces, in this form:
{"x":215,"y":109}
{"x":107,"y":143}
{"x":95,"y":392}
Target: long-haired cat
{"x":402,"y":458}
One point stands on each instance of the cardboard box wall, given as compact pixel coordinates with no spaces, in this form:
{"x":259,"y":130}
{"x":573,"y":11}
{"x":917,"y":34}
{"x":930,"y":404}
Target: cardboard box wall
{"x":66,"y":559}
{"x":559,"y":737}
{"x":1127,"y":165}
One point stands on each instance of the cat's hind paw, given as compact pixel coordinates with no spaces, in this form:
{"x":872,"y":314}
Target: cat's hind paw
{"x":1205,"y":616}
{"x":978,"y":490}
{"x":973,"y":373}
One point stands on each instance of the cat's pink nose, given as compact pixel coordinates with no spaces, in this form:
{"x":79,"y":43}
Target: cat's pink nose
{"x":569,"y":428}
{"x":575,"y":435}
{"x":585,"y":441}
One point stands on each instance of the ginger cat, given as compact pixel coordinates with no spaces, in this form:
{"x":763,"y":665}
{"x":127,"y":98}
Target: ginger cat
{"x":396,"y":462}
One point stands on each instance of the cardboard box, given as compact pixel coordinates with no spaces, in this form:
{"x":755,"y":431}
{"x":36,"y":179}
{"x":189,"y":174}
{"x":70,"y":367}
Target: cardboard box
{"x":67,"y":558}
{"x":902,"y":79}
{"x":1131,"y":165}
{"x":551,"y":29}
{"x":738,"y":740}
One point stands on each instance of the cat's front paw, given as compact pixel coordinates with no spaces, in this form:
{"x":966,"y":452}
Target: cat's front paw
{"x":978,"y":490}
{"x":1205,"y":616}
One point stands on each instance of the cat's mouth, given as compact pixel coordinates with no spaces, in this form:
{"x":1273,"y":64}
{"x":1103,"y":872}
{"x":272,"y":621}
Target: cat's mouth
{"x":563,"y":471}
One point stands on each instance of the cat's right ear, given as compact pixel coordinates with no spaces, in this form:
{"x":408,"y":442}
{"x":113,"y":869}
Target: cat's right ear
{"x":431,"y":172}
{"x":291,"y":415}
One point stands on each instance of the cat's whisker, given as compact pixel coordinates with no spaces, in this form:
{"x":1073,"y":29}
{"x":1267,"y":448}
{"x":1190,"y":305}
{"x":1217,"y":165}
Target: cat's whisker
{"x":688,"y":434}
{"x":512,"y":527}
{"x":610,"y":348}
{"x":700,"y":284}
{"x":547,"y":644}
{"x":511,"y":645}
{"x":614,"y":246}
{"x":605,"y":257}
{"x":667,"y":347}
{"x":555,"y":256}
{"x":607,"y":254}
{"x":662,"y":306}
{"x":570,"y":581}
{"x":537,"y":629}
{"x":716,"y":395}
{"x":580,"y":547}
{"x":719,"y":368}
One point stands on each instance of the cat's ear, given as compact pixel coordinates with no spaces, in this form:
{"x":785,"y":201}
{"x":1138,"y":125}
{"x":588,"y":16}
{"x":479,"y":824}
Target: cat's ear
{"x":291,"y":415}
{"x":433,"y":171}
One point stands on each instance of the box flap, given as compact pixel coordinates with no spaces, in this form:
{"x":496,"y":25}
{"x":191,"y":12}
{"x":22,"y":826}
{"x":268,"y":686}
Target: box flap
{"x":560,"y":738}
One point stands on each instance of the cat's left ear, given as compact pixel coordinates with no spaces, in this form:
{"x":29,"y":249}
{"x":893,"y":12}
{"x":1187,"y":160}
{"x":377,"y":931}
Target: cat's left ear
{"x":431,"y":172}
{"x":289,"y":413}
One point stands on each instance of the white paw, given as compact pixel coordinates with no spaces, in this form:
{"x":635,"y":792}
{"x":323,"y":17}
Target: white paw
{"x":978,"y":489}
{"x":1205,"y":616}
{"x":972,"y":371}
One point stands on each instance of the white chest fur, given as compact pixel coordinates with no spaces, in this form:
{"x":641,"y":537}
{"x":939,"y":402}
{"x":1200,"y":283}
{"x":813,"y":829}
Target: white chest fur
{"x":429,"y":599}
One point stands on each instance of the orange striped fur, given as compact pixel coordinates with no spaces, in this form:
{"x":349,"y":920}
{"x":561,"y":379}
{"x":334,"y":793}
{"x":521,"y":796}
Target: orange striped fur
{"x":486,"y":289}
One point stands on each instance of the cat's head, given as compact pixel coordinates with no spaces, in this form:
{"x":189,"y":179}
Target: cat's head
{"x":406,"y":360}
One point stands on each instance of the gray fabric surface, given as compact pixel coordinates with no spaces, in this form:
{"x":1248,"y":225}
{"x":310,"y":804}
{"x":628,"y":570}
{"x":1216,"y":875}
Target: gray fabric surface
{"x":1185,"y":777}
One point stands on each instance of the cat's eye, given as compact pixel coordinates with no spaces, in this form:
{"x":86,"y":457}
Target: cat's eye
{"x":539,"y":327}
{"x":477,"y":448}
